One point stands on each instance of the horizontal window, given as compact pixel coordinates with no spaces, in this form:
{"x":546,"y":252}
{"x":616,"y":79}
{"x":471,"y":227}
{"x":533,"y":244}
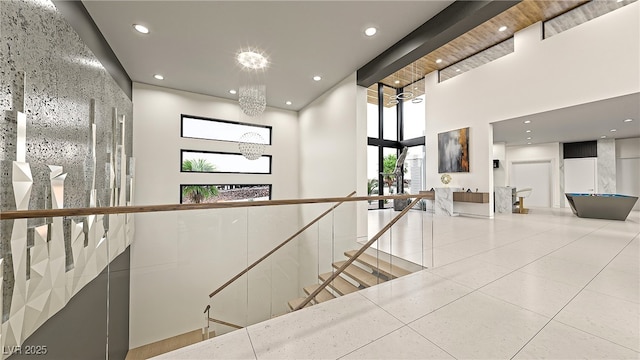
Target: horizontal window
{"x":210,"y":193}
{"x":581,"y":14}
{"x":221,"y":162}
{"x":485,"y":56}
{"x":214,"y":129}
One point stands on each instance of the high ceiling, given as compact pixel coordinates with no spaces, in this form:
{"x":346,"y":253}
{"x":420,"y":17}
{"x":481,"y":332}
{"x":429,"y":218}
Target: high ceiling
{"x":194,"y":43}
{"x":577,"y":123}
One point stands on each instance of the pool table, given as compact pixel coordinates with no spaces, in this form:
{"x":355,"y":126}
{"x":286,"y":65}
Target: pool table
{"x":601,"y":206}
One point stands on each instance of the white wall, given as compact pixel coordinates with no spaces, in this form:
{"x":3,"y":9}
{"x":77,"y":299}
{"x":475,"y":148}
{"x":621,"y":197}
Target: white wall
{"x":567,"y":69}
{"x":332,"y":163}
{"x":534,"y":153}
{"x":500,"y":174}
{"x":628,"y":148}
{"x":178,"y":259}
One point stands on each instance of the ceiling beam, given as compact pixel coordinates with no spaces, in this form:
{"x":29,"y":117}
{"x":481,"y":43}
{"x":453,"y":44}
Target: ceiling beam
{"x":457,"y":19}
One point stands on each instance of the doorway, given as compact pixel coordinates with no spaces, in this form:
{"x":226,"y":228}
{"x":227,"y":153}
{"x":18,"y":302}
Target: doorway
{"x":580,"y":175}
{"x":627,"y":170}
{"x":535,"y":175}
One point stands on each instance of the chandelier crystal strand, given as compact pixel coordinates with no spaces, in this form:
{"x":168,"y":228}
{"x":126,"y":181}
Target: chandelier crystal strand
{"x":253,"y":99}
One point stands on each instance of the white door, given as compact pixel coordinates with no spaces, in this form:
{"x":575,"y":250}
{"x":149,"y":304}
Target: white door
{"x":580,"y":175}
{"x":627,"y":174}
{"x":534,"y":175}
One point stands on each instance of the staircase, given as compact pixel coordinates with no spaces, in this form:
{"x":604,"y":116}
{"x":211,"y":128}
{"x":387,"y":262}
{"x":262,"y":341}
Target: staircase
{"x":369,"y":271}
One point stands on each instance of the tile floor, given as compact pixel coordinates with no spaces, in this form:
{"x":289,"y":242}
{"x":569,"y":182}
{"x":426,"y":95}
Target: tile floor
{"x":543,"y":285}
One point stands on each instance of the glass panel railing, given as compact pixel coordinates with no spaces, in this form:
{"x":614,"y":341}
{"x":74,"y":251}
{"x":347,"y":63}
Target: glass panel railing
{"x":154,"y":292}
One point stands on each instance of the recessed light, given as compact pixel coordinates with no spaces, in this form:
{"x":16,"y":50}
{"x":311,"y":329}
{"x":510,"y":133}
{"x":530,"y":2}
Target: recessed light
{"x":438,"y":61}
{"x":613,"y":130}
{"x":317,"y":78}
{"x":528,"y":131}
{"x":619,"y":1}
{"x":397,"y":82}
{"x":527,"y":121}
{"x":528,"y":143}
{"x":370,"y":31}
{"x":232,"y":92}
{"x":288,"y":102}
{"x":502,"y":28}
{"x":529,"y":138}
{"x":158,"y":77}
{"x":628,"y":120}
{"x":141,"y":28}
{"x":603,"y":136}
{"x":252,"y":60}
{"x":457,"y":70}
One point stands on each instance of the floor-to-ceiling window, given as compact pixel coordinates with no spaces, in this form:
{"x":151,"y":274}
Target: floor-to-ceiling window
{"x":395,"y":119}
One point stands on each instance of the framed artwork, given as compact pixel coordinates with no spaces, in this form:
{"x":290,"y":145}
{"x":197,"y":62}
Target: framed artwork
{"x":453,"y":151}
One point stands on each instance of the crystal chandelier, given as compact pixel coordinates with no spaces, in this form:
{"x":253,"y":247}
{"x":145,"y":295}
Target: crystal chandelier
{"x":251,"y":145}
{"x":253,"y":99}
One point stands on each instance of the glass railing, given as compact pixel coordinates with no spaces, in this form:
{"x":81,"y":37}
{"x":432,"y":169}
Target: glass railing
{"x":77,"y":272}
{"x":284,"y":281}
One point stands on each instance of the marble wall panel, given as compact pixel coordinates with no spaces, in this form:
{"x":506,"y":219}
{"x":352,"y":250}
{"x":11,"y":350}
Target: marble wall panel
{"x":607,"y":166}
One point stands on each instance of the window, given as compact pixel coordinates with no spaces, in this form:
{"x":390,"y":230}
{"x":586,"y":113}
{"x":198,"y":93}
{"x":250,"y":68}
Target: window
{"x":210,"y":193}
{"x":478,"y":59}
{"x":400,"y":124}
{"x":222,"y":162}
{"x":213,"y":129}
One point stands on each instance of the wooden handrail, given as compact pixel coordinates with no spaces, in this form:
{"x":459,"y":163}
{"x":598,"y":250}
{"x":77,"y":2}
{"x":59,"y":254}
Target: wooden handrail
{"x":32,"y":214}
{"x":355,"y":256}
{"x":225,"y":323}
{"x":279,"y":246}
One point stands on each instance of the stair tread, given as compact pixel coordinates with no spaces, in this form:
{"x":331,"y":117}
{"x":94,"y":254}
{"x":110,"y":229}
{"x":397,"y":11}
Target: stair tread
{"x":363,"y":277}
{"x":322,"y":296}
{"x":339,"y":284}
{"x":295,"y":302}
{"x":383,"y":267}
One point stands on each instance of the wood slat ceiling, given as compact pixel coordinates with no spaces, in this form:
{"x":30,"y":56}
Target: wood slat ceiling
{"x":481,"y":37}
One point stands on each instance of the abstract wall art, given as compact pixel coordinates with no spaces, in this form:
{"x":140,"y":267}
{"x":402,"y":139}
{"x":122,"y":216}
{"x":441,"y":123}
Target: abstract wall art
{"x":453,"y":151}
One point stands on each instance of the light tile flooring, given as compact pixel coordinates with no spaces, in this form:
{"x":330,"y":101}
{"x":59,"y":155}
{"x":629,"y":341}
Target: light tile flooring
{"x":543,"y":285}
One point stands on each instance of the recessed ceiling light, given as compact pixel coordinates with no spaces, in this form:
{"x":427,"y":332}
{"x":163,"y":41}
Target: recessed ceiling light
{"x":528,"y":143}
{"x":288,"y":102}
{"x":317,"y":78}
{"x":613,"y":130}
{"x":528,"y":131}
{"x":457,"y":70}
{"x":233,"y":92}
{"x":628,"y":120}
{"x":502,"y":28}
{"x":370,"y":31}
{"x":141,"y":28}
{"x":603,"y":136}
{"x":252,"y":60}
{"x":527,"y":121}
{"x":158,"y":77}
{"x":529,"y":138}
{"x":397,"y":82}
{"x":438,"y":61}
{"x":619,"y":1}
